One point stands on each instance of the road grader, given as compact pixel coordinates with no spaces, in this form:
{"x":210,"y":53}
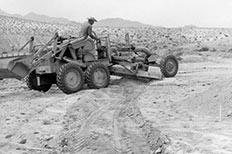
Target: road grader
{"x":72,"y":62}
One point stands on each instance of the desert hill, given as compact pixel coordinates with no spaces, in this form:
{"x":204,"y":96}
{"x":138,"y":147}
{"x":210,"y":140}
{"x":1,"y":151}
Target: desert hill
{"x":37,"y":17}
{"x":3,"y":12}
{"x":14,"y":32}
{"x":44,"y":18}
{"x":118,"y":22}
{"x":110,"y":22}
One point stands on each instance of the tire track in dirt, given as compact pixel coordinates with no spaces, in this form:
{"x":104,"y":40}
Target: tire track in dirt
{"x":82,"y":136}
{"x":128,"y":131}
{"x":131,"y":111}
{"x":84,"y":120}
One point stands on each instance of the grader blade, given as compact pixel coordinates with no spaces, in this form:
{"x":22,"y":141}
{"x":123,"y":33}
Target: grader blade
{"x":154,"y":74}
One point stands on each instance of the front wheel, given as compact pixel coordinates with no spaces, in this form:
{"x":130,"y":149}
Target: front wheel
{"x":70,"y":78}
{"x":169,"y":66}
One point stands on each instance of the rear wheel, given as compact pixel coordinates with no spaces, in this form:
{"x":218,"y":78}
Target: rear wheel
{"x":97,"y":76}
{"x":70,"y":78}
{"x":169,"y":66}
{"x":31,"y":82}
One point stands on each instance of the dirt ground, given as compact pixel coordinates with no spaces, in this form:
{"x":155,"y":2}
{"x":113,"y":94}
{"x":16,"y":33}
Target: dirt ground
{"x":190,"y":113}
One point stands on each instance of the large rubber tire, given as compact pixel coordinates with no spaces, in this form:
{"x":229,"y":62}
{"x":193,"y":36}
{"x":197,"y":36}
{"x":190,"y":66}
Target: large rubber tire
{"x":97,"y":76}
{"x":70,"y":78}
{"x":31,"y":82}
{"x":169,"y":66}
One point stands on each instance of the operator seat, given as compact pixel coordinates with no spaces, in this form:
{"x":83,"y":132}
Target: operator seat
{"x":84,"y":48}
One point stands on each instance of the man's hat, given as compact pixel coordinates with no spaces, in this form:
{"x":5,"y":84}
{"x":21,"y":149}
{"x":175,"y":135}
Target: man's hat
{"x":92,"y":18}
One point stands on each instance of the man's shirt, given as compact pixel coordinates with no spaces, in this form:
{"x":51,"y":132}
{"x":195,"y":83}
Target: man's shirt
{"x":86,"y":30}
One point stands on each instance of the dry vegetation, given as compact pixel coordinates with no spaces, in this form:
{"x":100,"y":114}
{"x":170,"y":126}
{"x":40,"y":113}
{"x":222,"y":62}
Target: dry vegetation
{"x":15,"y":31}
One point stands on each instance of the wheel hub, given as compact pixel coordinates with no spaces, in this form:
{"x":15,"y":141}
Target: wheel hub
{"x":72,"y":79}
{"x":170,"y":66}
{"x":100,"y":77}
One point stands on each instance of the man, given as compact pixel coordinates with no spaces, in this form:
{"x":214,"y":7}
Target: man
{"x":86,"y":29}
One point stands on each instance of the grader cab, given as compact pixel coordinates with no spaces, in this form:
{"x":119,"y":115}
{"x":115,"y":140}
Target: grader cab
{"x":72,"y":62}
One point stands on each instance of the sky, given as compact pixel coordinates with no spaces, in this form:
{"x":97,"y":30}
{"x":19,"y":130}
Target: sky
{"x":166,"y":13}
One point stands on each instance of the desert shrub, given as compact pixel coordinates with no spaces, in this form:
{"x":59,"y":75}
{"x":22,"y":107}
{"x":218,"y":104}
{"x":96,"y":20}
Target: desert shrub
{"x":154,"y":38}
{"x":202,"y":49}
{"x":230,"y":50}
{"x":213,"y":50}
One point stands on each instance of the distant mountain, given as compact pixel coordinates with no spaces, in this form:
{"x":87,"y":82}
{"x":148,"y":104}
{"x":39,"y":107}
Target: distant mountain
{"x":41,"y":18}
{"x":118,"y":22}
{"x":110,"y":22}
{"x":3,"y":13}
{"x":44,"y":18}
{"x":16,"y":15}
{"x":190,"y":26}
